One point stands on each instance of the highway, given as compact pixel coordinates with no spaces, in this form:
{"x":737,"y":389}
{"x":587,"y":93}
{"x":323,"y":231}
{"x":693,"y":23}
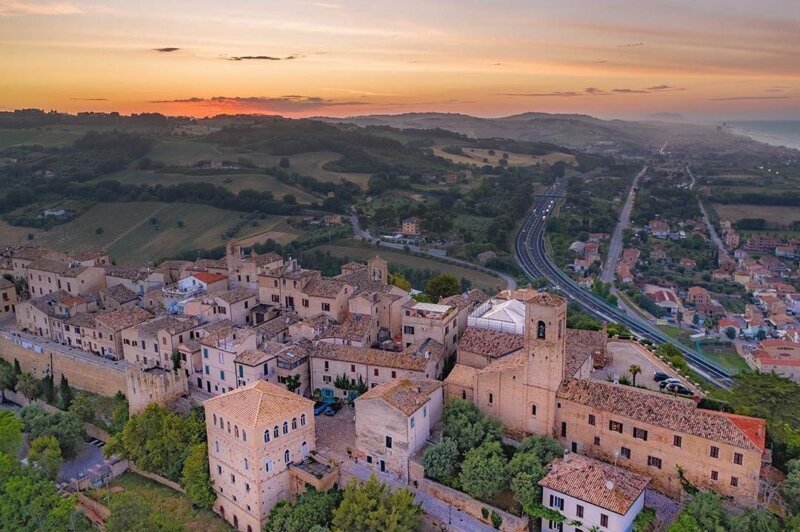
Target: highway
{"x":530,"y":250}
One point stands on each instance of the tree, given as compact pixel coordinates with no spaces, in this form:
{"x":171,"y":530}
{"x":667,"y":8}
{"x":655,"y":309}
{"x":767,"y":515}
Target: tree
{"x":66,"y":427}
{"x":45,"y":456}
{"x":756,"y":520}
{"x":285,"y":162}
{"x":131,"y":512}
{"x":634,"y":370}
{"x":176,"y":361}
{"x":83,"y":407}
{"x":730,"y":332}
{"x":195,"y":477}
{"x":48,"y":389}
{"x":707,"y":511}
{"x":372,"y":507}
{"x":483,"y":472}
{"x":292,"y":382}
{"x":28,"y":386}
{"x":8,"y":379}
{"x":791,"y":486}
{"x":465,"y":424}
{"x":525,"y":471}
{"x":66,"y":393}
{"x":399,"y":281}
{"x":11,"y":426}
{"x":312,"y":509}
{"x":441,"y":286}
{"x":441,"y":460}
{"x":545,"y":448}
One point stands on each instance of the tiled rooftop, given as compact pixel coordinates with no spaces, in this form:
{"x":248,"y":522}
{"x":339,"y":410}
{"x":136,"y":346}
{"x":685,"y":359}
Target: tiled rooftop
{"x":406,"y":395}
{"x":121,"y":319}
{"x":258,"y":405}
{"x":489,"y":342}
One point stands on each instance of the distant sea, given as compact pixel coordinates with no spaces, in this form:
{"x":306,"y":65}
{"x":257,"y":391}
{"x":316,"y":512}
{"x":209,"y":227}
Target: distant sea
{"x":775,"y":132}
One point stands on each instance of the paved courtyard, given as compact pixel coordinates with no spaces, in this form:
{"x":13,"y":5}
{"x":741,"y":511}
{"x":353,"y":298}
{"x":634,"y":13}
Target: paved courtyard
{"x":625,"y":354}
{"x":336,"y":434}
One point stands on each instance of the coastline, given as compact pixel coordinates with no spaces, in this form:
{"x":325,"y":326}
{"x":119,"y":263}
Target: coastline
{"x":773,"y":139}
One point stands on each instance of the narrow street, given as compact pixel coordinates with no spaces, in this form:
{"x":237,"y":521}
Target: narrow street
{"x":615,"y":247}
{"x":711,"y":231}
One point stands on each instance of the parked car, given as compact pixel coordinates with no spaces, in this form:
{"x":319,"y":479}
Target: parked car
{"x":679,"y":389}
{"x":332,"y":409}
{"x":667,"y":382}
{"x":321,"y":406}
{"x":659,"y":376}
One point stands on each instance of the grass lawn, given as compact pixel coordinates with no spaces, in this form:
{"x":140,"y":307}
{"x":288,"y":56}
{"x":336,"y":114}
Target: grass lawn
{"x":477,"y":225}
{"x":131,"y":238}
{"x":777,"y":214}
{"x":476,"y":156}
{"x":233,"y":182}
{"x":11,"y":137}
{"x":479,"y":279}
{"x":311,"y":164}
{"x":172,"y":504}
{"x":725,"y":356}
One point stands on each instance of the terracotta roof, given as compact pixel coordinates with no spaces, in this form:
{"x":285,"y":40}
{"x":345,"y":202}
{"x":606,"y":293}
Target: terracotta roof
{"x":355,"y":327}
{"x":507,"y":363}
{"x":236,"y":334}
{"x":252,"y":357}
{"x":662,"y":410}
{"x":5,"y":283}
{"x":172,"y":324}
{"x":465,"y":299}
{"x":259,"y":405}
{"x":462,"y":375}
{"x":121,"y":319}
{"x":209,"y":277}
{"x":408,"y":359}
{"x":265,"y":259}
{"x":546,"y":299}
{"x":274,"y":326}
{"x":83,"y":319}
{"x":323,"y":287}
{"x":132,"y":273}
{"x":205,"y":264}
{"x":240,"y":293}
{"x":121,"y":294}
{"x":489,"y":342}
{"x":580,"y":345}
{"x":595,"y":482}
{"x":88,"y":254}
{"x":52,"y":266}
{"x":406,"y":395}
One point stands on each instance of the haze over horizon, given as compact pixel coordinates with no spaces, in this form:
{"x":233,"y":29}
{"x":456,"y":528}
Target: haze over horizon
{"x":621,"y":59}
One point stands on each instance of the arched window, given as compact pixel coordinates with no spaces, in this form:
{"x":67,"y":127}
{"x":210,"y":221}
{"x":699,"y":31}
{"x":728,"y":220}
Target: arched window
{"x":303,"y":420}
{"x":229,"y":427}
{"x":246,"y":465}
{"x":244,"y":435}
{"x":286,"y":456}
{"x":236,"y":430}
{"x":540,"y":330}
{"x":216,"y":446}
{"x":491,"y":398}
{"x":294,"y":423}
{"x":215,"y":419}
{"x":464,"y":394}
{"x":275,"y":432}
{"x":560,"y":327}
{"x":266,"y":436}
{"x":285,"y":427}
{"x":268,"y":466}
{"x":304,"y":449}
{"x":533,"y":409}
{"x":221,"y":423}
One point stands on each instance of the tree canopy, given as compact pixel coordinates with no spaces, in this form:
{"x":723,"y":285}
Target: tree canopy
{"x":312,"y":509}
{"x":11,"y":426}
{"x":484,"y":471}
{"x":65,"y":427}
{"x":372,"y":507}
{"x":442,"y":285}
{"x":195,"y":477}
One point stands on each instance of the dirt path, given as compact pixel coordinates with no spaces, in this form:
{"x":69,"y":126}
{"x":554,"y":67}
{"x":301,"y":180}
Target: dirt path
{"x":134,"y":227}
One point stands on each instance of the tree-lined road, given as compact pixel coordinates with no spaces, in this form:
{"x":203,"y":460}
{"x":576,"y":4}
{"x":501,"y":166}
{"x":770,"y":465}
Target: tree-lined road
{"x":615,"y":247}
{"x":532,"y":256}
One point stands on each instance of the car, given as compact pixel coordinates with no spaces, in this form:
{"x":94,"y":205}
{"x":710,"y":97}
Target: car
{"x":679,"y":389}
{"x":659,"y":376}
{"x":667,"y":382}
{"x":332,"y":409}
{"x":320,"y":407}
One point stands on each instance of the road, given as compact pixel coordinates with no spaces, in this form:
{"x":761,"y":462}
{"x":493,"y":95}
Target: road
{"x":615,"y":247}
{"x":531,"y":254}
{"x":723,"y":252}
{"x":440,"y":254}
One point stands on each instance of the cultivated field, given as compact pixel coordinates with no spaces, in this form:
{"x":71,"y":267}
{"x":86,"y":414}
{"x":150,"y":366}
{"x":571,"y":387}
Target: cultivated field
{"x":476,"y":156}
{"x":233,"y":182}
{"x":49,"y":137}
{"x":131,"y":237}
{"x":479,"y":279}
{"x":781,"y":215}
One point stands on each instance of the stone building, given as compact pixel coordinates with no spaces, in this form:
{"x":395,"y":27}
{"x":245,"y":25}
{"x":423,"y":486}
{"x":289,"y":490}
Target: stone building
{"x":8,"y":298}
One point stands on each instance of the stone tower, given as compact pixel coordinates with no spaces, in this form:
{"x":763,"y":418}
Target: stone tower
{"x":233,"y":255}
{"x":545,"y":346}
{"x":378,"y":270}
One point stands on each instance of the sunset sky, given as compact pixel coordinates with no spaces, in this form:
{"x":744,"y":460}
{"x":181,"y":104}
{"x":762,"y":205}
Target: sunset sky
{"x":709,"y":59}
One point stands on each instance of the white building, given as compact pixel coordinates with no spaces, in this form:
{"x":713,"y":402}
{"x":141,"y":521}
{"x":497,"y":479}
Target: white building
{"x":593,"y":493}
{"x":506,"y":315}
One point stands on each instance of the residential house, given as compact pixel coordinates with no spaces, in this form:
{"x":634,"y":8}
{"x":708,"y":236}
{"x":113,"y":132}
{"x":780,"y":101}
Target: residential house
{"x":47,"y":276}
{"x":153,"y":342}
{"x":411,"y":226}
{"x":8,"y":298}
{"x":219,"y":352}
{"x":138,"y":279}
{"x":110,"y":325}
{"x":430,"y":320}
{"x":698,"y":295}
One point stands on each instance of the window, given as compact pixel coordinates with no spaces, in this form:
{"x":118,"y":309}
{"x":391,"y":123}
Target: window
{"x":715,"y":475}
{"x":221,"y":375}
{"x":615,"y":426}
{"x":425,"y":411}
{"x":540,"y":330}
{"x":533,"y":409}
{"x":326,"y":307}
{"x":734,"y":482}
{"x":640,"y":434}
{"x":394,"y":374}
{"x":563,"y":429}
{"x":275,"y":432}
{"x":491,"y":398}
{"x":624,"y":452}
{"x":714,"y":451}
{"x":376,"y":372}
{"x":286,"y":456}
{"x":326,"y":378}
{"x":388,"y":442}
{"x":276,"y":298}
{"x":677,"y":441}
{"x":215,"y":419}
{"x":216,"y":446}
{"x":244,"y":435}
{"x":603,"y":520}
{"x":597,"y":440}
{"x":652,"y":461}
{"x":302,"y":420}
{"x":738,"y":458}
{"x":326,"y":365}
{"x":236,"y":430}
{"x":579,"y":510}
{"x":233,"y":478}
{"x":591,"y":419}
{"x":246,"y":464}
{"x":353,"y":368}
{"x":408,"y":329}
{"x":294,"y":423}
{"x":219,"y":470}
{"x":304,"y":302}
{"x":266,"y":436}
{"x":556,"y":502}
{"x":412,"y":422}
{"x":285,"y":427}
{"x":268,"y":466}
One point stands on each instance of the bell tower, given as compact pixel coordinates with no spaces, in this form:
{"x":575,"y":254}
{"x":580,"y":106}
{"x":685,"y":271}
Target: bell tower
{"x":545,"y":347}
{"x":378,"y":270}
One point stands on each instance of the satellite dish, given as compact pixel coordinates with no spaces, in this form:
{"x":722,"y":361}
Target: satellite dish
{"x":609,"y":485}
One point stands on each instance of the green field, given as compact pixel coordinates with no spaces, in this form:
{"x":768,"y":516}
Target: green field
{"x":725,"y":356}
{"x":233,"y":182}
{"x":130,"y":237}
{"x":477,"y":225}
{"x":311,"y":164}
{"x":174,"y":506}
{"x":51,"y":137}
{"x":11,"y":137}
{"x":479,"y":279}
